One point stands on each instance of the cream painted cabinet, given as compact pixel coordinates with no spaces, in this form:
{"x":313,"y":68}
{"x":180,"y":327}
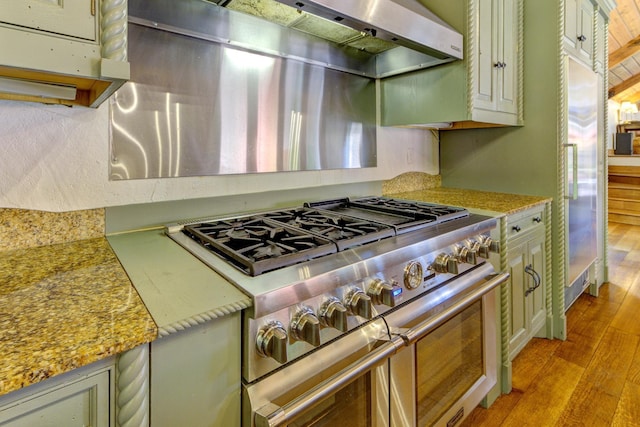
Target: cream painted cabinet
{"x":526,"y":264}
{"x":71,"y":52}
{"x":579,"y":29}
{"x":483,"y":88}
{"x":79,"y":398}
{"x":74,"y":18}
{"x":497,"y":50}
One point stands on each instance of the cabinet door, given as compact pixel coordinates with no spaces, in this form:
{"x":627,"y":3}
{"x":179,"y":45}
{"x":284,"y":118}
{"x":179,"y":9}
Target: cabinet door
{"x":571,"y":28}
{"x":536,"y":299}
{"x":75,"y":18}
{"x":497,"y":49}
{"x":518,"y":311}
{"x":579,"y":29}
{"x":507,"y":53}
{"x":81,"y":403}
{"x":586,"y":24}
{"x":487,"y":35}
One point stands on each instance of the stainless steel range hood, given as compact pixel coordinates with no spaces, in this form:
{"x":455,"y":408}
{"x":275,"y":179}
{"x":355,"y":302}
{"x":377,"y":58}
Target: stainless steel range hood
{"x":373,"y":38}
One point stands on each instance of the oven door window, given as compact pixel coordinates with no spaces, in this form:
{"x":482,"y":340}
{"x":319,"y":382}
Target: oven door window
{"x":449,"y":361}
{"x":349,"y":407}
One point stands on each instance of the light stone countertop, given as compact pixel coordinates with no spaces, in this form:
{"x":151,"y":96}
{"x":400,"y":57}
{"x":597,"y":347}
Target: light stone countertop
{"x":503,"y":203}
{"x":177,"y":288}
{"x":63,"y":306}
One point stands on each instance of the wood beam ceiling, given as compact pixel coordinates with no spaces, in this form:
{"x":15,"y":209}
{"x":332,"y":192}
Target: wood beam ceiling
{"x":621,"y":87}
{"x":619,"y":55}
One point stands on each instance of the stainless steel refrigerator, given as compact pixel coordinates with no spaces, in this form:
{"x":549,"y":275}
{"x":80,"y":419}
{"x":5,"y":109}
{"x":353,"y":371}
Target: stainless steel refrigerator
{"x":581,"y":175}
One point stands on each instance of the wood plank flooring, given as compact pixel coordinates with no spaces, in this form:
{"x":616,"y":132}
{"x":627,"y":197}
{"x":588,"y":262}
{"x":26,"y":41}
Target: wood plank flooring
{"x":592,"y":378}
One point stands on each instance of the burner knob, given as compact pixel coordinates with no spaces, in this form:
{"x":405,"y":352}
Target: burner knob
{"x":486,"y":245}
{"x":473,"y":246}
{"x":445,"y":264}
{"x":466,"y":254}
{"x":359,"y":303}
{"x":334,"y":314}
{"x":272,"y":341}
{"x":461,"y":253}
{"x":382,"y":292}
{"x":305,"y":326}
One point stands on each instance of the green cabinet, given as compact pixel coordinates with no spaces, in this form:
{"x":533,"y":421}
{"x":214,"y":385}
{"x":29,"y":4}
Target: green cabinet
{"x":526,"y":248}
{"x":497,"y":50}
{"x":73,"y":18}
{"x":195,"y":375}
{"x":482,"y":89}
{"x":72,"y":52}
{"x":579,"y":29}
{"x":76,"y":399}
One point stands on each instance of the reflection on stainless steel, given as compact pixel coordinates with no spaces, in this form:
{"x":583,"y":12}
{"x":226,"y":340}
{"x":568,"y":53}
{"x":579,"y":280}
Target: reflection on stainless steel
{"x":284,"y":394}
{"x":333,"y":321}
{"x":403,"y":22}
{"x":582,"y":168}
{"x":272,"y":28}
{"x":454,"y":322}
{"x":197,"y":108}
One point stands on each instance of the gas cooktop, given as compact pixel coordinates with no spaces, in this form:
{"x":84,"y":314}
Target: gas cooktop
{"x":263,"y":242}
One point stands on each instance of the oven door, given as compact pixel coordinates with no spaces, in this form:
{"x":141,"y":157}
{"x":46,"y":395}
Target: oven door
{"x":450,"y":362}
{"x":344,"y":383}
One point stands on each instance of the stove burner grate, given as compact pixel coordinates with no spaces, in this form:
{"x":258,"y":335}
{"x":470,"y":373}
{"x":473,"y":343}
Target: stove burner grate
{"x":344,"y":231}
{"x":256,"y":245}
{"x":267,"y":241}
{"x":440,"y":213}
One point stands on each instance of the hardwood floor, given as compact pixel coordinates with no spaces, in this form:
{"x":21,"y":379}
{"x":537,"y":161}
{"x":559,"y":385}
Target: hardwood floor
{"x":592,"y":378}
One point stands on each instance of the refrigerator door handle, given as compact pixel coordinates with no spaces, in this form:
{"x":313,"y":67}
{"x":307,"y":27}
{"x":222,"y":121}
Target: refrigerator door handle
{"x":574,"y":171}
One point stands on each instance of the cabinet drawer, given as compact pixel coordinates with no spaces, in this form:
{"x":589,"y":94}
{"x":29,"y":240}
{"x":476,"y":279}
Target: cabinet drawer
{"x":521,"y":223}
{"x":83,"y":402}
{"x":74,"y":18}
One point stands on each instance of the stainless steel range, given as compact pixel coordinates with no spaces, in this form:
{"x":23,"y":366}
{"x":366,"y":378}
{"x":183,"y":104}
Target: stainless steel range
{"x":340,"y":289}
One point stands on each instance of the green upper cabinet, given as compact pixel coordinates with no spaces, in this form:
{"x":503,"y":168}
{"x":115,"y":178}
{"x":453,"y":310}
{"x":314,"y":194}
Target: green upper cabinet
{"x":497,"y":51}
{"x":483,"y":89}
{"x":579,"y":29}
{"x":71,"y":52}
{"x":74,"y":18}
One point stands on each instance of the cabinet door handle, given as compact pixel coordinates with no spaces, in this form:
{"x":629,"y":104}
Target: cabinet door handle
{"x":499,"y":64}
{"x":536,"y":279}
{"x":582,"y":38}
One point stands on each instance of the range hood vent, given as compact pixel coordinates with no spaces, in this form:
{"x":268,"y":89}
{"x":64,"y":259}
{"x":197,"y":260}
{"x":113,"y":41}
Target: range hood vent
{"x":374,"y":38}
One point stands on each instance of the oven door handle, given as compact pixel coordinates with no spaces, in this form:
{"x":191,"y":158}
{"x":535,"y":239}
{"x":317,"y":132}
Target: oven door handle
{"x":271,"y":415}
{"x":412,"y":335}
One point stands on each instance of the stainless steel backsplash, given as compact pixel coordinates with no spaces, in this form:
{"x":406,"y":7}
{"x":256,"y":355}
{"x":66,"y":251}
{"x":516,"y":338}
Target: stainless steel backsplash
{"x":195,"y":107}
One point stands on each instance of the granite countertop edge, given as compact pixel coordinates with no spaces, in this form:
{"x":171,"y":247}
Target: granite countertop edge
{"x":501,"y":203}
{"x":64,"y":306}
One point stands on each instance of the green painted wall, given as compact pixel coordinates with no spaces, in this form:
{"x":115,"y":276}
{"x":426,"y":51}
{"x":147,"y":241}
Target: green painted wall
{"x":522,"y":160}
{"x":516,"y":159}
